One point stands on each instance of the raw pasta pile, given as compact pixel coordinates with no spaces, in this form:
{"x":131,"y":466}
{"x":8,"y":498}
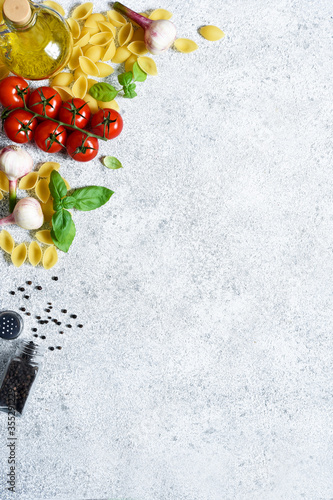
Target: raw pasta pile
{"x":47,"y":253}
{"x":100,"y":40}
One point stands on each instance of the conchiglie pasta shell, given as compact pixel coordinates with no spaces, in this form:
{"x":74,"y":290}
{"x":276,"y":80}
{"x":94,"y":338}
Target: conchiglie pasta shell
{"x":4,"y":182}
{"x":1,"y":195}
{"x":185,"y":45}
{"x":83,"y":11}
{"x":47,"y":209}
{"x":47,"y":168}
{"x":148,"y":65}
{"x":93,"y":20}
{"x":101,"y":38}
{"x":55,"y":6}
{"x":29,"y":181}
{"x":109,"y":52}
{"x":106,"y":26}
{"x":7,"y":242}
{"x":19,"y":254}
{"x":77,"y":73}
{"x":108,"y":105}
{"x":104,"y":69}
{"x":158,"y":14}
{"x":125,"y":34}
{"x":211,"y":33}
{"x":34,"y":253}
{"x":91,"y":82}
{"x":139,"y":35}
{"x":92,"y":31}
{"x":81,"y":42}
{"x":122,"y":53}
{"x":74,"y":27}
{"x":74,"y":59}
{"x":44,"y":237}
{"x":50,"y":257}
{"x":62,"y":79}
{"x":95,"y":53}
{"x":92,"y":103}
{"x":138,"y":48}
{"x":88,"y":66}
{"x":116,"y":18}
{"x":80,"y":87}
{"x":4,"y":72}
{"x":64,"y":92}
{"x":42,"y":190}
{"x":129,"y":62}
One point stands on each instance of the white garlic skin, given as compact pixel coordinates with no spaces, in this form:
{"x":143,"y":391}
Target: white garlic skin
{"x":28,"y":214}
{"x":15,"y":162}
{"x":159,"y":36}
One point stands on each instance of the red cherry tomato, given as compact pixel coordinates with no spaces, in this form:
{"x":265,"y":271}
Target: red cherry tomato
{"x":19,"y":126}
{"x":14,"y":91}
{"x":75,"y":112}
{"x":50,"y":137}
{"x":45,"y":101}
{"x":107,"y":123}
{"x":82,"y":147}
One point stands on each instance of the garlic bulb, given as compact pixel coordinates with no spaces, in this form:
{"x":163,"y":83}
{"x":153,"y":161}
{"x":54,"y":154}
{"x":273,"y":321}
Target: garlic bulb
{"x":15,"y":163}
{"x":27,"y":214}
{"x":159,"y":35}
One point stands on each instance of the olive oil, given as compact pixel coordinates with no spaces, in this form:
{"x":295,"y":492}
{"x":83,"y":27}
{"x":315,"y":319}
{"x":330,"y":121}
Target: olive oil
{"x":38,"y":45}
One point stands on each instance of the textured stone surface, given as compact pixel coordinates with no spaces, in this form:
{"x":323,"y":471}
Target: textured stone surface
{"x":203,"y":371}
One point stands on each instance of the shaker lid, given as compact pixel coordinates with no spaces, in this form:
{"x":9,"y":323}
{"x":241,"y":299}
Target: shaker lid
{"x":11,"y":325}
{"x":17,"y":11}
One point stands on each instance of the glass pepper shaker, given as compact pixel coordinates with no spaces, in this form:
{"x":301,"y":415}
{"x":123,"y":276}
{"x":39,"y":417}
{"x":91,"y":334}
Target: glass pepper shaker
{"x":19,"y":377}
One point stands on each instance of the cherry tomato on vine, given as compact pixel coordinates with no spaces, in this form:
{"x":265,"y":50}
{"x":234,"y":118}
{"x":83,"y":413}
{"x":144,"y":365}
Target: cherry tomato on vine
{"x":19,"y":126}
{"x":75,"y":112}
{"x":50,"y":136}
{"x":14,"y":91}
{"x":45,"y":101}
{"x":107,"y":123}
{"x":81,"y":147}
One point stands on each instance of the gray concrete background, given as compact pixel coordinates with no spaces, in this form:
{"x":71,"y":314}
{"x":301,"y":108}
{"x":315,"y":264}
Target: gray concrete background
{"x":203,"y":371}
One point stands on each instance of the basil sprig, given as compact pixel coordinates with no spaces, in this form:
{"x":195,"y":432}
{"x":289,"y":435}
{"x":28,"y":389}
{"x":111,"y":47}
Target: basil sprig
{"x":105,"y":92}
{"x":84,"y":199}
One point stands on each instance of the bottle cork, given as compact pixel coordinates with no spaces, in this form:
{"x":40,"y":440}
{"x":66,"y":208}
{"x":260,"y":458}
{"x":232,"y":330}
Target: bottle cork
{"x":17,"y":11}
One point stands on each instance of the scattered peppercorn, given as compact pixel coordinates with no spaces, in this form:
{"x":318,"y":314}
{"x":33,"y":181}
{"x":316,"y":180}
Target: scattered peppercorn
{"x":29,"y":283}
{"x":21,"y":289}
{"x":55,"y":278}
{"x":34,"y":329}
{"x":38,"y":317}
{"x":12,"y":292}
{"x":80,"y":326}
{"x":59,"y":347}
{"x":28,"y":314}
{"x":26,"y":296}
{"x":35,"y":335}
{"x":47,"y":310}
{"x":69,"y":326}
{"x":22,"y":309}
{"x":61,"y":333}
{"x":39,"y":287}
{"x":51,"y":348}
{"x":43,"y":337}
{"x":64,"y":311}
{"x":74,"y":316}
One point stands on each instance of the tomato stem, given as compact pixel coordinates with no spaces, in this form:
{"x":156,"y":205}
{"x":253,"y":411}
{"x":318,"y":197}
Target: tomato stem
{"x":73,"y":127}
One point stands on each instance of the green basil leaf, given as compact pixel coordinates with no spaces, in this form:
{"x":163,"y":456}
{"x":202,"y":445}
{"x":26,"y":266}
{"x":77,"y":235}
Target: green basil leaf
{"x":57,"y":204}
{"x":66,"y":242}
{"x":61,"y":222}
{"x":129,"y":92}
{"x":138,"y":74}
{"x":112,"y":162}
{"x":103,"y":91}
{"x":91,"y":197}
{"x":68,"y":202}
{"x":125,"y":78}
{"x":57,"y":186}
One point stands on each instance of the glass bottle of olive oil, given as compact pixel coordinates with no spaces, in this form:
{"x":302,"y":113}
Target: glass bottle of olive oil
{"x":35,"y":41}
